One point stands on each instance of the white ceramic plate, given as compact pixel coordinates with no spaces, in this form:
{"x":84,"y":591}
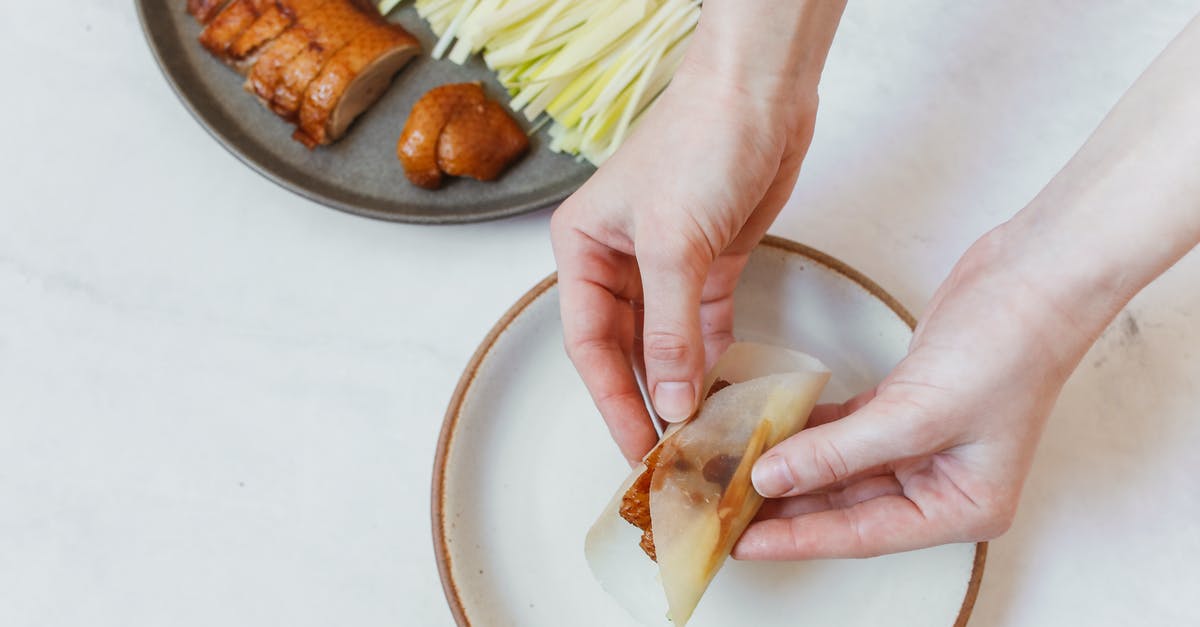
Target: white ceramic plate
{"x":525,"y":465}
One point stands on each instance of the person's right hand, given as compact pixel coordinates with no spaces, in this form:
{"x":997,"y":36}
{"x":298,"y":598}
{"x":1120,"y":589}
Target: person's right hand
{"x":650,"y":249}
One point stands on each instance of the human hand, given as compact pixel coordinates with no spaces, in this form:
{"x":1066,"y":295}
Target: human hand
{"x":650,"y":249}
{"x":938,"y":452}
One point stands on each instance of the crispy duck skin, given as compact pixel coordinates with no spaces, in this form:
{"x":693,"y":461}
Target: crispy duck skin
{"x":418,"y":147}
{"x":205,"y":10}
{"x":319,"y":63}
{"x":229,"y":24}
{"x":454,"y":129}
{"x":270,"y":24}
{"x":264,"y":76}
{"x":635,"y":505}
{"x":263,"y":31}
{"x":341,"y":24}
{"x":353,"y":80}
{"x":480,"y":142}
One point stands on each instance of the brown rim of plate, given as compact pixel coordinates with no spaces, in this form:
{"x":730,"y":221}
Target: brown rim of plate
{"x":468,"y":377}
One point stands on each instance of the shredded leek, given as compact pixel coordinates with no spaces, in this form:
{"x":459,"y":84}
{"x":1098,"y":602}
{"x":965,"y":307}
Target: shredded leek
{"x":588,"y":68}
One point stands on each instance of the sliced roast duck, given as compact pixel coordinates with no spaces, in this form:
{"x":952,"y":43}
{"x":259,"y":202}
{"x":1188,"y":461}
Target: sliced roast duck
{"x":316,"y":63}
{"x":204,"y":10}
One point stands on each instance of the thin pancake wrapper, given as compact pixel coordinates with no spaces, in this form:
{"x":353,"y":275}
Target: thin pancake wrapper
{"x":700,"y":495}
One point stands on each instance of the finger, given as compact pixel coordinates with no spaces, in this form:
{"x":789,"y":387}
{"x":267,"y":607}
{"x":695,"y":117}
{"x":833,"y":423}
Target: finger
{"x":716,"y":305}
{"x":598,"y":328}
{"x":828,"y":412}
{"x":771,"y":203}
{"x":793,"y":506}
{"x":672,"y":278}
{"x":886,"y":524}
{"x":716,"y":309}
{"x":830,"y":497}
{"x":825,"y":413}
{"x":716,"y":325}
{"x":638,"y":360}
{"x":874,"y":471}
{"x":604,"y":366}
{"x":878,"y":433}
{"x":863,"y":489}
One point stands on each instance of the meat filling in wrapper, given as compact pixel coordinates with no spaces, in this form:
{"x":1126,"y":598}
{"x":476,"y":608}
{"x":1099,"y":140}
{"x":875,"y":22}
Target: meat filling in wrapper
{"x":692,"y":498}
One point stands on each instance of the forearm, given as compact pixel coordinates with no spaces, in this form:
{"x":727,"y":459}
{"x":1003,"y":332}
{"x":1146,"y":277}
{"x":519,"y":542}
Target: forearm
{"x":765,"y":49}
{"x":1127,"y":206}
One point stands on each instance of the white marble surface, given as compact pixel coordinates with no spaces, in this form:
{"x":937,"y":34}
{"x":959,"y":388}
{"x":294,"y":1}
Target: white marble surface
{"x":219,"y":402}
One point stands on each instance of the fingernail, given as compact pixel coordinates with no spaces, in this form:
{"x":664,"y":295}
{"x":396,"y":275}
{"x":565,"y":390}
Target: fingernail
{"x":674,"y":400}
{"x":770,"y":476}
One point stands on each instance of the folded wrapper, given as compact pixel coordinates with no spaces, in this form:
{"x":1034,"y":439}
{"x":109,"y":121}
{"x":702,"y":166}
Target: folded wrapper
{"x":701,"y":498}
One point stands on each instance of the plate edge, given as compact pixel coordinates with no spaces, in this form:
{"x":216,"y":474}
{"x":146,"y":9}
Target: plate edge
{"x":450,"y":420}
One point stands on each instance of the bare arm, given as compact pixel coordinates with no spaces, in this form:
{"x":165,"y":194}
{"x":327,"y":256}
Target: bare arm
{"x":939,"y":451}
{"x":1127,"y":206}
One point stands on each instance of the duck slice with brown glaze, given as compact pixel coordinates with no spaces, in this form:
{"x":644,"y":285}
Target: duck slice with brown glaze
{"x":319,"y":63}
{"x":271,"y":23}
{"x":205,"y":10}
{"x":228,"y":25}
{"x":353,"y":80}
{"x":339,"y":28}
{"x":454,"y":129}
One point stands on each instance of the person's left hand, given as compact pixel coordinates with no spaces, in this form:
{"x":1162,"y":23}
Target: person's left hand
{"x":938,"y":452}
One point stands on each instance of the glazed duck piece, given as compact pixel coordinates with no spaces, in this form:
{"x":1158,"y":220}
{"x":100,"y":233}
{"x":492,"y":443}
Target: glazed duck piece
{"x":244,"y":28}
{"x":454,"y":129}
{"x":205,"y":10}
{"x":353,"y":80}
{"x":325,"y":61}
{"x":480,"y":142}
{"x":340,"y":26}
{"x":418,"y":145}
{"x":225,"y":28}
{"x":268,"y":70}
{"x":271,"y":23}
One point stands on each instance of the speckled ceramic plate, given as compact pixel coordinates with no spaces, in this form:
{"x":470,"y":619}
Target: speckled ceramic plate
{"x":360,"y":173}
{"x":525,"y":465}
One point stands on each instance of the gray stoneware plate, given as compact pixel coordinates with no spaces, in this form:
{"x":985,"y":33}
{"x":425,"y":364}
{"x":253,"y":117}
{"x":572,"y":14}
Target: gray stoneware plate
{"x":359,"y":174}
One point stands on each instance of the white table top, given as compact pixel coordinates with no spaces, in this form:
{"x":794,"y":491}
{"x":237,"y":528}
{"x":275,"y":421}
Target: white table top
{"x":219,"y":401}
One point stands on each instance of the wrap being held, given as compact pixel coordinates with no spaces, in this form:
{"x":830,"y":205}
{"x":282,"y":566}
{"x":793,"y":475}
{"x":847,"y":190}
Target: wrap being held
{"x":691,"y":498}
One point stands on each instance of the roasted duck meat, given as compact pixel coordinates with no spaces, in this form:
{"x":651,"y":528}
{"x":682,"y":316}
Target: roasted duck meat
{"x":454,"y":129}
{"x":204,"y":10}
{"x":351,"y":81}
{"x":316,"y":63}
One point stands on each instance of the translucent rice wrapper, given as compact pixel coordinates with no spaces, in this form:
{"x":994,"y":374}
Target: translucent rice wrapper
{"x":701,"y":498}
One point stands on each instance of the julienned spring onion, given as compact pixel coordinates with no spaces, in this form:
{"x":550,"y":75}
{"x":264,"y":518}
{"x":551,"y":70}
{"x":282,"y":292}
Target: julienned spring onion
{"x":593,"y":66}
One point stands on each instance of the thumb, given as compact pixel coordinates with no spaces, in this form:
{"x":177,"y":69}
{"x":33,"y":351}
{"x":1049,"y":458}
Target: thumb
{"x":878,"y":433}
{"x":672,"y":285}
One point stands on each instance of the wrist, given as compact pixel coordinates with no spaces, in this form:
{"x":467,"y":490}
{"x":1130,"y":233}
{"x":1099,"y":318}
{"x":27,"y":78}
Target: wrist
{"x":990,"y":306}
{"x":771,"y":52}
{"x":1070,"y":290}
